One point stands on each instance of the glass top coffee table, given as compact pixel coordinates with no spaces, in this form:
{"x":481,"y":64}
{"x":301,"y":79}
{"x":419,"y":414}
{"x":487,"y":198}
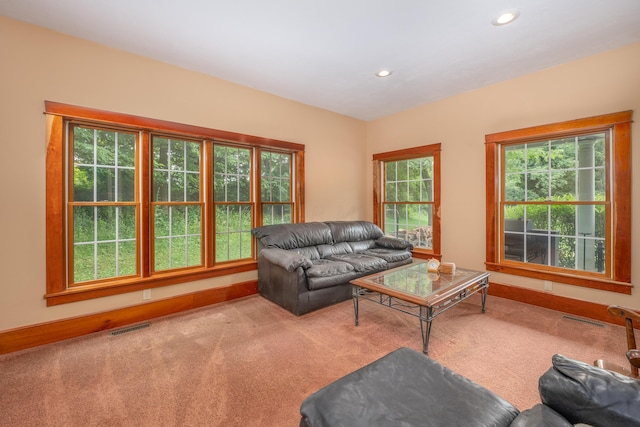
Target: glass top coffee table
{"x":414,"y":290}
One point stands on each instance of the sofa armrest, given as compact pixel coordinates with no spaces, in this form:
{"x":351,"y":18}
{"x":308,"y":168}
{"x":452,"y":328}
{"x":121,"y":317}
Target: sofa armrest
{"x":288,"y":260}
{"x":587,"y":394}
{"x":393,"y":243}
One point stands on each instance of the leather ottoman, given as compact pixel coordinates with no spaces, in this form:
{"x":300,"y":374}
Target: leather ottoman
{"x":405,"y":388}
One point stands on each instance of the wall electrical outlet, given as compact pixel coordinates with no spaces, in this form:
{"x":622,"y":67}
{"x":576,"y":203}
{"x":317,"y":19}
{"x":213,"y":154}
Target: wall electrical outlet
{"x":547,"y":285}
{"x":146,"y":294}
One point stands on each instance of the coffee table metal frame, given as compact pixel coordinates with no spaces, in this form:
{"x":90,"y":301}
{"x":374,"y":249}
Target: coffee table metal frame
{"x":425,"y":308}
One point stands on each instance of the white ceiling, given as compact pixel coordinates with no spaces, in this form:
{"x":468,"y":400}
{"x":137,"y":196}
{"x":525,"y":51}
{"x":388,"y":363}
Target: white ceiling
{"x":325,"y":52}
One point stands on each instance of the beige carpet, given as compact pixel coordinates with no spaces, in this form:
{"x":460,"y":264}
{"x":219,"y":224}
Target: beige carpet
{"x":250,"y":363}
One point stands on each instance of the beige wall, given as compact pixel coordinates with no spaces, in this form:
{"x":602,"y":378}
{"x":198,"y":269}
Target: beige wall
{"x":605,"y":83}
{"x":39,"y":65}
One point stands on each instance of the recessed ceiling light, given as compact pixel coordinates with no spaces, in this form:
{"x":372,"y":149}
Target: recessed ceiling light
{"x":383,"y":73}
{"x":506,"y":17}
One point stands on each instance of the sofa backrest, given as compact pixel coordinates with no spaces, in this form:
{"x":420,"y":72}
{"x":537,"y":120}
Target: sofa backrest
{"x":354,"y":231}
{"x":320,"y":239}
{"x":293,"y":236}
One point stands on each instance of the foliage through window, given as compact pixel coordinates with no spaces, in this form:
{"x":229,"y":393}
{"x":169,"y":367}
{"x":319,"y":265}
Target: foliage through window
{"x":275,"y":194}
{"x":177,"y":207}
{"x":135,"y":203}
{"x":407,"y":195}
{"x":559,"y":189}
{"x":102,"y":208}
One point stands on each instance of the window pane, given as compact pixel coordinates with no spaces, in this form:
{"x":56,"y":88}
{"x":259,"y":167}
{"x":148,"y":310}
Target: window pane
{"x":126,"y":222}
{"x":563,"y":154}
{"x":233,"y":231}
{"x":106,"y":148}
{"x":514,"y":158}
{"x":179,"y":253}
{"x":83,"y":262}
{"x":107,"y":224}
{"x":276,"y":214}
{"x":177,"y":185}
{"x":104,"y":242}
{"x":537,"y":156}
{"x":563,"y":185}
{"x":232,"y":169}
{"x":105,"y":184}
{"x":83,"y":224}
{"x":194,"y":250}
{"x":162,"y":253}
{"x":126,"y":150}
{"x":409,"y":180}
{"x":177,"y":154}
{"x":514,"y":187}
{"x":126,"y":185}
{"x":176,"y":175}
{"x":276,"y":176}
{"x":567,"y":253}
{"x":83,"y":183}
{"x":177,"y":236}
{"x":160,"y":186}
{"x":412,"y":222}
{"x":537,"y":186}
{"x":83,"y":146}
{"x":127,"y":258}
{"x":160,"y":154}
{"x":563,"y":219}
{"x":192,"y":160}
{"x":107,"y":260}
{"x":194,"y":220}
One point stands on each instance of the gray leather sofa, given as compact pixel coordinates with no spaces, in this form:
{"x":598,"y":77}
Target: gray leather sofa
{"x":307,"y":266}
{"x":407,"y":388}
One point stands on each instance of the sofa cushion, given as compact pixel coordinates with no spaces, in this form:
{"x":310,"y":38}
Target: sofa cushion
{"x":327,"y":267}
{"x":326,"y":251}
{"x":353,"y":231}
{"x":587,"y":394}
{"x":405,"y":388}
{"x":315,"y":283}
{"x":292,"y":236}
{"x":362,"y":263}
{"x":310,"y":252}
{"x":362,"y":245}
{"x":389,"y":255}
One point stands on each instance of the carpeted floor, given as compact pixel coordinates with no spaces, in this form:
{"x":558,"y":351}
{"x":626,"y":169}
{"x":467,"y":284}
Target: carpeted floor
{"x":250,"y":363}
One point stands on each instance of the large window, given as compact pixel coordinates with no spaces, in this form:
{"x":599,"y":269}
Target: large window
{"x":558,"y":202}
{"x":407,"y":196}
{"x":134,"y":203}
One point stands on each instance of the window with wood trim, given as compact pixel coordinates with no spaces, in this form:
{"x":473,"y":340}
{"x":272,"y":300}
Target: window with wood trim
{"x":558,"y":202}
{"x":135,"y":203}
{"x":407,"y":196}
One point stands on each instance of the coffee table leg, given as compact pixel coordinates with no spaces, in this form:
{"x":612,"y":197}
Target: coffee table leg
{"x":425,"y":327}
{"x":356,"y":291}
{"x":484,"y":294}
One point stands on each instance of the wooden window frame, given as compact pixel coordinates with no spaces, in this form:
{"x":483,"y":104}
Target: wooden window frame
{"x":379,"y":160}
{"x":619,"y":127}
{"x":58,"y":116}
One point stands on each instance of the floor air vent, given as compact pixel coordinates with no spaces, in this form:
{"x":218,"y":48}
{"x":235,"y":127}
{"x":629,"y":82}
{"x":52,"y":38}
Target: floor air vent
{"x":579,"y":319}
{"x":130,"y":329}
